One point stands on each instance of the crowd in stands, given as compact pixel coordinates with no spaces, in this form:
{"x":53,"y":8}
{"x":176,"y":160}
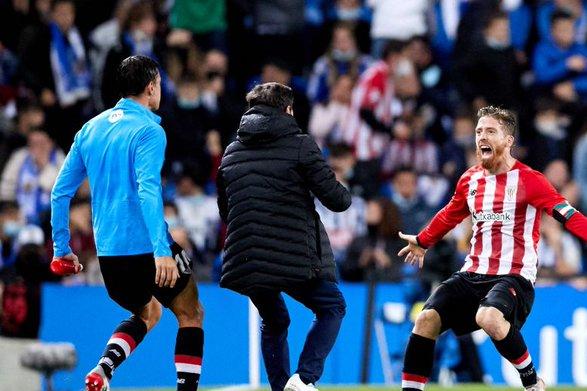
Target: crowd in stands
{"x":388,"y":88}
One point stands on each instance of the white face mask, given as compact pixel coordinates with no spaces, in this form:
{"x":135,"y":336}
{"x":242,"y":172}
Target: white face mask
{"x":550,"y":128}
{"x":348,"y":14}
{"x":343,"y":56}
{"x":496,"y":44}
{"x":11,"y":228}
{"x":510,"y":5}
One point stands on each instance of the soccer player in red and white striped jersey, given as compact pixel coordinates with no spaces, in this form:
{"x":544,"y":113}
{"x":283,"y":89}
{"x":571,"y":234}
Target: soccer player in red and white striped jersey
{"x":494,"y":289}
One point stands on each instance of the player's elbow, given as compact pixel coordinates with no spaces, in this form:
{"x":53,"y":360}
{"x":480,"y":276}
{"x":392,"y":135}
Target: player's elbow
{"x":341,"y":202}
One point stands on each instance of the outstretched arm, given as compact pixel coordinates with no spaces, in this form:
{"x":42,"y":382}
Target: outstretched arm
{"x":445,"y":220}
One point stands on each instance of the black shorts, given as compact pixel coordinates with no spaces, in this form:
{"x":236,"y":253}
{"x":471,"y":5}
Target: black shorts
{"x":130,"y":279}
{"x":457,"y":299}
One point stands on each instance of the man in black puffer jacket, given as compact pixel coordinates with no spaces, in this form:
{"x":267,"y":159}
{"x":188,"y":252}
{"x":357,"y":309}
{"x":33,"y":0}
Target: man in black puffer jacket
{"x":275,"y":241}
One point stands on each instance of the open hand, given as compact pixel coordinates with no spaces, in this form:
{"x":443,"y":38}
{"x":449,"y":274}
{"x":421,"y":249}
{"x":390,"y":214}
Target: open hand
{"x":415,"y":253}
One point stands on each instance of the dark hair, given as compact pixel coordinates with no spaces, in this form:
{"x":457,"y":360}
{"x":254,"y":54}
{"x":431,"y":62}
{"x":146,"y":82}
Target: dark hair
{"x":506,"y":118}
{"x":494,"y":16}
{"x":271,"y":94}
{"x":390,"y":223}
{"x":134,"y":74}
{"x":404,"y":169}
{"x":339,"y":150}
{"x":57,"y":2}
{"x":560,"y":15}
{"x":138,"y":12}
{"x":393,"y":47}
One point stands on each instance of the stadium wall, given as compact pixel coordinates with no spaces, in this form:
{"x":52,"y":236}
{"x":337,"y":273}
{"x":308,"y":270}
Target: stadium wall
{"x":556,"y":333}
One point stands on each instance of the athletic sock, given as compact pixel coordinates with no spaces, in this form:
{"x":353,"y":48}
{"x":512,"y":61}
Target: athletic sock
{"x":189,"y":348}
{"x":418,"y":363}
{"x":125,"y":339}
{"x":513,"y":348}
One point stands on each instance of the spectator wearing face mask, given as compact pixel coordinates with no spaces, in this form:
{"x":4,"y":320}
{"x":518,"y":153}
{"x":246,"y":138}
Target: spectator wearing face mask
{"x":356,"y":14}
{"x":54,"y":65}
{"x":30,"y":174}
{"x":343,"y":58}
{"x":137,"y":38}
{"x":187,"y":123}
{"x":560,"y":64}
{"x":453,"y":157}
{"x":488,"y":73}
{"x":414,"y":210}
{"x":550,"y":139}
{"x":377,"y":248}
{"x":198,"y":212}
{"x":326,"y":118}
{"x":374,"y":102}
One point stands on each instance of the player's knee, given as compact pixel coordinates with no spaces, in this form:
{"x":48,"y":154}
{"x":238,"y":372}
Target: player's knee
{"x":151,"y":315}
{"x":491,"y":320}
{"x":428,"y":324}
{"x":190,"y":316}
{"x":276,"y":325}
{"x":199,"y":314}
{"x":336,"y":311}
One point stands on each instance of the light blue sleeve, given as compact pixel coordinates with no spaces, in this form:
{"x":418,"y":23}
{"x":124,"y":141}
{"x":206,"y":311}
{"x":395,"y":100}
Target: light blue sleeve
{"x":149,"y":157}
{"x":70,"y":177}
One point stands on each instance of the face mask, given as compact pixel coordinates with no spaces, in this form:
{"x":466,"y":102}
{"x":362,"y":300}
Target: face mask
{"x":431,"y":76}
{"x":172,"y":222}
{"x":348,"y":14}
{"x":188,"y":104}
{"x":339,"y":55}
{"x":12,"y":228}
{"x":497,"y":45}
{"x":550,"y":128}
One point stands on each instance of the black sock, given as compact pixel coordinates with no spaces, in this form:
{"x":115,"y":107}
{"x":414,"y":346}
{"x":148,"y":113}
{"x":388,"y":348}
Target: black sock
{"x":418,"y":363}
{"x":189,"y":348}
{"x":513,"y":348}
{"x":125,"y":339}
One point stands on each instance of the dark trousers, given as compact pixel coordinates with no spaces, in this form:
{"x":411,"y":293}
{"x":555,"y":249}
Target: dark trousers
{"x":326,"y":302}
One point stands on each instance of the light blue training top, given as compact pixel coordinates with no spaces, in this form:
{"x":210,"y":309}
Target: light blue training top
{"x":121,"y":151}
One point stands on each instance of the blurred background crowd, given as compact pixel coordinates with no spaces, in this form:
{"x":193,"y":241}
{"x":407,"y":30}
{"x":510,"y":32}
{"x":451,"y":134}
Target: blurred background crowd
{"x":388,"y":88}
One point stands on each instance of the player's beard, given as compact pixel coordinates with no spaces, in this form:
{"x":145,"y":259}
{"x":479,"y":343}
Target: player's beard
{"x":494,"y":161}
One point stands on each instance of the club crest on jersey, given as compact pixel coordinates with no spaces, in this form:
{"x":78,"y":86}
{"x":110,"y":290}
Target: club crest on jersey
{"x":115,"y":116}
{"x":481,"y":217}
{"x":510,"y":193}
{"x":472,"y":193}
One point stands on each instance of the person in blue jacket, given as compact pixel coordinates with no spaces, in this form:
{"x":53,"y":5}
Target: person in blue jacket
{"x":121,"y":152}
{"x":560,"y":64}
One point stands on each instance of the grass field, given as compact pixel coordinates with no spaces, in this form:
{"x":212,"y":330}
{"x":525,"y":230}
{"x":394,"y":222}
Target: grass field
{"x":465,"y":387}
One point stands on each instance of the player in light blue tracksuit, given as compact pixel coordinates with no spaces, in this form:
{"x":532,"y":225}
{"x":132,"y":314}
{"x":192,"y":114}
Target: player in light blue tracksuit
{"x":121,"y":152}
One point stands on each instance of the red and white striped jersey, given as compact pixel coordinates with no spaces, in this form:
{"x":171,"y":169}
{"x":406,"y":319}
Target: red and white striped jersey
{"x":374,"y":91}
{"x":505,"y":210}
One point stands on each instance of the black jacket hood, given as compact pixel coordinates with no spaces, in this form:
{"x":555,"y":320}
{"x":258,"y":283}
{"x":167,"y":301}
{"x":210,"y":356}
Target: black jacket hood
{"x":262,"y":124}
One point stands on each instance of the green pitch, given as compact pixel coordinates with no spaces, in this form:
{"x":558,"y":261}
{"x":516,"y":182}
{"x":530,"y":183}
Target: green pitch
{"x":470,"y":387}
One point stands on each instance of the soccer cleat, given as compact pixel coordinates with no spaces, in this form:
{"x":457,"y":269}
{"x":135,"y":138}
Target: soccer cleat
{"x":95,"y":382}
{"x":539,"y":386}
{"x":296,"y":384}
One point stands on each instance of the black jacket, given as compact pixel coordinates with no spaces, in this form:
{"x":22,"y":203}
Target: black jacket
{"x":275,"y":238}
